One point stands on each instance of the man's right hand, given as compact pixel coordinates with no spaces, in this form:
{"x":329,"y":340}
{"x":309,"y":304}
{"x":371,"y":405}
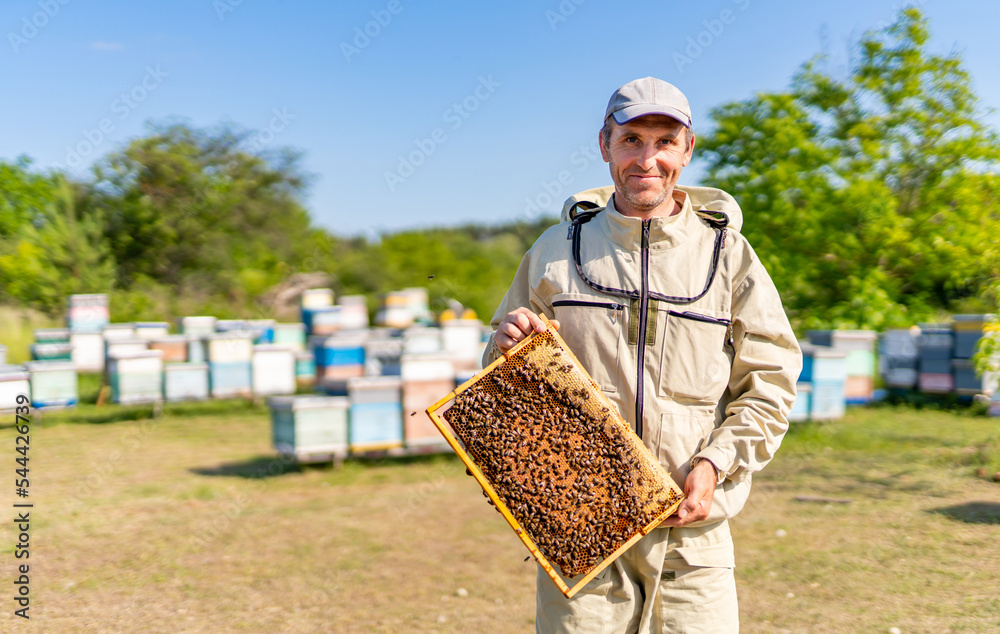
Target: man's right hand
{"x":517,"y":325}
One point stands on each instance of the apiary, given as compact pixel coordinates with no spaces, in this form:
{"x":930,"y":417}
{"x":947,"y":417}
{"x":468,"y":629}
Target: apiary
{"x":558,"y":461}
{"x":173,"y":347}
{"x":53,"y":383}
{"x":136,"y":377}
{"x":87,"y":312}
{"x":307,"y":426}
{"x":273,"y":369}
{"x":150,"y":330}
{"x":14,"y":381}
{"x":185,"y":381}
{"x":52,"y":351}
{"x":425,"y":378}
{"x":88,"y":351}
{"x":198,"y":325}
{"x":376,"y":414}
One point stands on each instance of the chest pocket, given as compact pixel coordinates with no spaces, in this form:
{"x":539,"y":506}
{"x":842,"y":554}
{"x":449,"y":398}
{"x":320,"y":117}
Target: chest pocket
{"x":694,"y":357}
{"x":592,"y":326}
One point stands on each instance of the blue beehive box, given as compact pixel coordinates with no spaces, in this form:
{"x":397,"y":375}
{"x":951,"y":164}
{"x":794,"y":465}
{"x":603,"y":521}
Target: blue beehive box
{"x":828,"y":400}
{"x":185,"y":381}
{"x":376,"y":418}
{"x":230,"y":379}
{"x":803,"y":403}
{"x":309,"y":425}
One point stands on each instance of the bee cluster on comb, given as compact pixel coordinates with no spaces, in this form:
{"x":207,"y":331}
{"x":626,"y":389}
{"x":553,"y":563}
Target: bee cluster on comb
{"x":559,"y":457}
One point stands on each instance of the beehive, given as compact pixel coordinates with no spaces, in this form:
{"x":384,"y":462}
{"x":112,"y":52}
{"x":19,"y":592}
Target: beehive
{"x":150,"y":330}
{"x":87,"y":312}
{"x":88,"y":351}
{"x":273,"y":369}
{"x":185,"y":381}
{"x":555,"y":457}
{"x":13,"y":383}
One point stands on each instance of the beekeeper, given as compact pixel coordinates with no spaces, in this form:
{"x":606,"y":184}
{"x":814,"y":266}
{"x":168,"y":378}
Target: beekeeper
{"x":669,"y":309}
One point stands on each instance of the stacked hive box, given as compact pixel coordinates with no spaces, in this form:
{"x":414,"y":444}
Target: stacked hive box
{"x":229,"y":364}
{"x":88,"y":350}
{"x":122,"y":347}
{"x":53,"y":383}
{"x":898,"y":356}
{"x":309,"y":427}
{"x":936,"y":348}
{"x":421,"y":340}
{"x":3,"y":355}
{"x":290,"y":335}
{"x":337,"y":360}
{"x":14,"y":381}
{"x":383,"y":356}
{"x":118,"y":331}
{"x":305,"y":368}
{"x":87,"y":313}
{"x":803,"y":403}
{"x":185,"y":381}
{"x":353,"y":312}
{"x":273,"y":369}
{"x":52,"y":344}
{"x":136,"y":377}
{"x":968,"y":330}
{"x":463,"y":340}
{"x":173,"y":347}
{"x":395,"y":311}
{"x":426,"y":378}
{"x":318,"y":313}
{"x":376,"y":420}
{"x":150,"y":330}
{"x":859,"y":346}
{"x":197,"y":328}
{"x":825,"y":369}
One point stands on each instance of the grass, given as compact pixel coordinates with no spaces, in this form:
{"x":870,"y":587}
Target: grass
{"x":189,"y":522}
{"x":17,"y":330}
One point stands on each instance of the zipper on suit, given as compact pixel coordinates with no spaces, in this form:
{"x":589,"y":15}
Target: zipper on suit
{"x":699,"y":317}
{"x":643,"y":309}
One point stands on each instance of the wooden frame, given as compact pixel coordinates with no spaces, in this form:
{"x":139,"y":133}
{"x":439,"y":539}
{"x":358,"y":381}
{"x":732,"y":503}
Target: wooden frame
{"x":615,"y":419}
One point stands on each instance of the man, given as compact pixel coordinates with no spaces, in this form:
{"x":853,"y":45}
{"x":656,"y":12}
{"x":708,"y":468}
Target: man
{"x":670,"y":311}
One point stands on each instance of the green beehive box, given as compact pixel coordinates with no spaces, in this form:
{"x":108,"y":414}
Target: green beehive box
{"x":309,"y":425}
{"x":53,"y":383}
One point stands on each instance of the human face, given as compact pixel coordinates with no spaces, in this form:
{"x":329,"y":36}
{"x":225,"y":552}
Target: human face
{"x":646,"y":156}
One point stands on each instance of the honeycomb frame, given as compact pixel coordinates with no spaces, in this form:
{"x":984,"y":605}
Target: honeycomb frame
{"x":639,"y":494}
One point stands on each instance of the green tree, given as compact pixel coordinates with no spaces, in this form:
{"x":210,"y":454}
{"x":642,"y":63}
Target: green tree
{"x":872,"y":199}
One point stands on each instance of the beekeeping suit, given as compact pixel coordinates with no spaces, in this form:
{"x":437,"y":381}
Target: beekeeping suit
{"x":678,"y":322}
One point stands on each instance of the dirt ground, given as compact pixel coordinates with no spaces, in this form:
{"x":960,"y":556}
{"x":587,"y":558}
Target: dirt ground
{"x":190,"y":523}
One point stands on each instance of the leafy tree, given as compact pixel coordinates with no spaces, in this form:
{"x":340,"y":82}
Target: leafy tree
{"x":872,"y":199}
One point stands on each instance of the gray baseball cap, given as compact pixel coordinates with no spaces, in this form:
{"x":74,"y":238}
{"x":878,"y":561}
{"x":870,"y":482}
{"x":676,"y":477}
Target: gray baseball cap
{"x":648,"y":96}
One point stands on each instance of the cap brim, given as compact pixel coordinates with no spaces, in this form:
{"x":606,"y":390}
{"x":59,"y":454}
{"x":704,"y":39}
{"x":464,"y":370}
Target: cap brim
{"x":628,"y":113}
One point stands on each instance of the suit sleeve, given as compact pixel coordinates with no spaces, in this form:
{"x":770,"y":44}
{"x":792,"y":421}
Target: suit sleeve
{"x":765,"y":368}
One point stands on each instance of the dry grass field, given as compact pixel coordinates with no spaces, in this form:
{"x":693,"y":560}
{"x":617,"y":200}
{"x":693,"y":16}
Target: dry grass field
{"x":189,"y":523}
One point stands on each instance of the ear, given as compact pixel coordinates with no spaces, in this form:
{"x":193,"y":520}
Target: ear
{"x":600,"y":143}
{"x":690,"y":151}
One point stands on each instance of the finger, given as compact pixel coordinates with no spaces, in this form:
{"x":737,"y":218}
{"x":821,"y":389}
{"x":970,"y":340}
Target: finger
{"x":554,"y":324}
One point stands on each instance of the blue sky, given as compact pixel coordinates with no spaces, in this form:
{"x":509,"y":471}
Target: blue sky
{"x":412,"y":113}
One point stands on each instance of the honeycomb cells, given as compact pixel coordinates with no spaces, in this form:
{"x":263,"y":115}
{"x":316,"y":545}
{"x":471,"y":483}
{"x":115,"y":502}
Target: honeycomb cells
{"x":565,"y":465}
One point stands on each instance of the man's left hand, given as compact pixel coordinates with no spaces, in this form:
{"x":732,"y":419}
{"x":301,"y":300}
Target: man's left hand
{"x":699,"y":487}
